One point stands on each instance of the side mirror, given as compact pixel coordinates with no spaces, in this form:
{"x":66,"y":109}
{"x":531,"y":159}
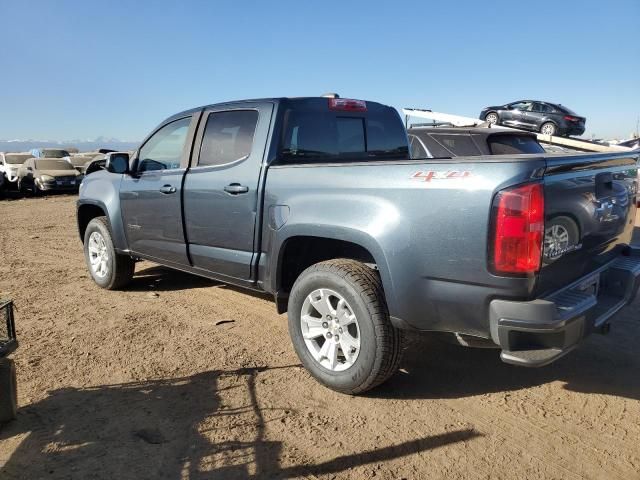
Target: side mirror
{"x":117,"y":162}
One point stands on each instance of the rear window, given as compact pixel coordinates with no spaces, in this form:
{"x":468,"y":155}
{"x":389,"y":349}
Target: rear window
{"x":567,"y":110}
{"x":53,"y":165}
{"x":54,"y":153}
{"x":14,"y":158}
{"x":336,"y":135}
{"x":513,"y":144}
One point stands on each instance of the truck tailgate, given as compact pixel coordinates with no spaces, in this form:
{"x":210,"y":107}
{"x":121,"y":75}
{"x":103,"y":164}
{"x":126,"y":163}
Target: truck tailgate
{"x":590,"y":209}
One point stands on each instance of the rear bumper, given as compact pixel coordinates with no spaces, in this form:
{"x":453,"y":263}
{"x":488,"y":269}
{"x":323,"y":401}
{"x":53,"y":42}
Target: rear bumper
{"x":538,"y":332}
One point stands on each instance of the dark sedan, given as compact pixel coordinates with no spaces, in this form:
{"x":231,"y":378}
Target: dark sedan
{"x":544,"y":117}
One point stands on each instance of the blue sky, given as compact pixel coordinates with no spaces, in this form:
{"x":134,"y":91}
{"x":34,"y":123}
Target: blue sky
{"x":80,"y":69}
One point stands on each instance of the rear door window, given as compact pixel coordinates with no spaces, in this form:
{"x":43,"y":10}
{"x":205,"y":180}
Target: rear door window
{"x":228,"y":137}
{"x":513,"y":144}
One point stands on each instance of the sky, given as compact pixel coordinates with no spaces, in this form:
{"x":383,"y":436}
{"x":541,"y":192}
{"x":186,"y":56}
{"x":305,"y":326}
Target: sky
{"x":82,"y":69}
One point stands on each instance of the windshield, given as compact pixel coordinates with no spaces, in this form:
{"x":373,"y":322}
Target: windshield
{"x":53,"y":165}
{"x":337,"y":135}
{"x":16,"y":158}
{"x":54,"y":153}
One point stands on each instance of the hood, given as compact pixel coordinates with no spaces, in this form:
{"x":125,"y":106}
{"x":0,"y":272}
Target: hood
{"x":59,"y":173}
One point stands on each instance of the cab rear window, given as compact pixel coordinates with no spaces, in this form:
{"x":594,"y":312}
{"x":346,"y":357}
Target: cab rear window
{"x":329,"y":136}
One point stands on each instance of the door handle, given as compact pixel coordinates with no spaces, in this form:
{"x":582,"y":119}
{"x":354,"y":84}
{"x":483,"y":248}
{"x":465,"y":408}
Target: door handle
{"x":236,"y":189}
{"x":167,"y":189}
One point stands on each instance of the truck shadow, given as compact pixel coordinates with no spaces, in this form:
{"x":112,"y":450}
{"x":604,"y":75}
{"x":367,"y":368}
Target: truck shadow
{"x":210,"y":425}
{"x":602,"y":364}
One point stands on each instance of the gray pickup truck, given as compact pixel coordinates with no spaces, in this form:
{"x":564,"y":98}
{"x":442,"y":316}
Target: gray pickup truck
{"x":317,"y":202}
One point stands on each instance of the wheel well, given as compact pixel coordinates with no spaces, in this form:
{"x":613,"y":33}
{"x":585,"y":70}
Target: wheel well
{"x":298,"y":253}
{"x":86,"y":213}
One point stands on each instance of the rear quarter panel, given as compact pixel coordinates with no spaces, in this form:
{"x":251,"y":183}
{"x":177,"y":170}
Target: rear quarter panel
{"x":424,"y":222}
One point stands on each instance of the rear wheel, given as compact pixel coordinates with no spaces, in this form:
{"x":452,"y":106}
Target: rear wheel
{"x":108,"y":269}
{"x":340,"y":327}
{"x":548,"y":128}
{"x":492,"y":118}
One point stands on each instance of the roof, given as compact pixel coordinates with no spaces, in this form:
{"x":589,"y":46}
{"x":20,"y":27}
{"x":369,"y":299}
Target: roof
{"x":469,"y":131}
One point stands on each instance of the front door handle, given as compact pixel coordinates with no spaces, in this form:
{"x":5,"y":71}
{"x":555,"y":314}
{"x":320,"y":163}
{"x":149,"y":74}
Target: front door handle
{"x":236,"y":189}
{"x":167,"y":189}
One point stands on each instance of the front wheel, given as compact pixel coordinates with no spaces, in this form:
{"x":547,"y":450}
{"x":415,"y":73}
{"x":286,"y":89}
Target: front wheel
{"x":108,"y":269}
{"x":340,"y":328}
{"x":492,"y":118}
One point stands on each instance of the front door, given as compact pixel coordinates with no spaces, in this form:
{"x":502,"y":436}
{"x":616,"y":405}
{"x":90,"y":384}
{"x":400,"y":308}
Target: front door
{"x":150,"y":196}
{"x":221,"y":188}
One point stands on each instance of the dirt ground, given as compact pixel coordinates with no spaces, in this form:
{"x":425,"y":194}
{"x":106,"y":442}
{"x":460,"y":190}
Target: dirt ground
{"x":182,"y":377}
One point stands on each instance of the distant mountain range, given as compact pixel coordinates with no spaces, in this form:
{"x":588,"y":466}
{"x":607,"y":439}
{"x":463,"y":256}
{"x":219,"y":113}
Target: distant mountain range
{"x":81,"y":145}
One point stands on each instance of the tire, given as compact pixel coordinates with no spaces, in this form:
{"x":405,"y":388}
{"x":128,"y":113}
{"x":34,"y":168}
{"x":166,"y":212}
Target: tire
{"x":492,"y":118}
{"x":8,"y":390}
{"x":113,"y":271}
{"x":549,"y":128}
{"x":380,"y":345}
{"x":560,"y":234}
{"x":36,"y":190}
{"x":21,"y":188}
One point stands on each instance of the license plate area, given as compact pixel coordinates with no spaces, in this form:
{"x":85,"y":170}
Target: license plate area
{"x":590,"y":286}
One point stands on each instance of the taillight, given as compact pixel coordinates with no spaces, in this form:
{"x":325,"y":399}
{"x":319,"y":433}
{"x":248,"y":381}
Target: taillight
{"x":518,"y":229}
{"x":347,"y":104}
{"x":570,"y":118}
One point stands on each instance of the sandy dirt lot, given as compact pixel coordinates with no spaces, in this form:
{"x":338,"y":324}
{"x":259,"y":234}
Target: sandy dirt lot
{"x":181,"y":377}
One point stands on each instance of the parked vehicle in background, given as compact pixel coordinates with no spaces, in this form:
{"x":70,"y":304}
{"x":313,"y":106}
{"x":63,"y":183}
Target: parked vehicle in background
{"x":50,"y":153}
{"x":317,"y":202}
{"x":544,"y":117}
{"x":96,"y":164}
{"x":10,"y":163}
{"x":448,"y":142}
{"x":37,"y":175}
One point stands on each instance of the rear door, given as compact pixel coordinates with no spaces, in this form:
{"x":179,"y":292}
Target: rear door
{"x":150,"y":196}
{"x":590,"y":211}
{"x":221,"y":188}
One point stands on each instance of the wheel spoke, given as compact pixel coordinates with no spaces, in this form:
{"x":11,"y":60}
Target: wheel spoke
{"x":349,"y":346}
{"x":332,"y":354}
{"x":321,"y":302}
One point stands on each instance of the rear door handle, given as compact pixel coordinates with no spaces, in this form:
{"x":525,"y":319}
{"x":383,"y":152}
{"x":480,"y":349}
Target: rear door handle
{"x":167,"y":189}
{"x":236,"y":189}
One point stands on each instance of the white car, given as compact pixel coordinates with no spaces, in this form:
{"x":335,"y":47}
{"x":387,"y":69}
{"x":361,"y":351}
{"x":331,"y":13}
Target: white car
{"x":9,"y":165}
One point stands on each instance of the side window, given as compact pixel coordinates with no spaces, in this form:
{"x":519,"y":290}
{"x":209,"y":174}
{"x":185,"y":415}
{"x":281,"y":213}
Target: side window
{"x":417,"y":150}
{"x":538,"y":107}
{"x":228,"y":136}
{"x":523,"y":106}
{"x":459,"y":145}
{"x":164,"y":149}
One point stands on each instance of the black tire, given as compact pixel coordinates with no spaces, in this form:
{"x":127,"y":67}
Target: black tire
{"x":8,"y":390}
{"x":36,"y":190}
{"x":381,"y":344}
{"x":552,"y":127}
{"x":119,"y":268}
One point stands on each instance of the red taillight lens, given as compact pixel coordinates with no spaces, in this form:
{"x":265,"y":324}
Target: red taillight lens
{"x":347,"y":104}
{"x":571,"y":119}
{"x":518,"y":229}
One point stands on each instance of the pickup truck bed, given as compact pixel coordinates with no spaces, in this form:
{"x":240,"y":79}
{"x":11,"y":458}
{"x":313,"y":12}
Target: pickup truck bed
{"x":317,"y":202}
